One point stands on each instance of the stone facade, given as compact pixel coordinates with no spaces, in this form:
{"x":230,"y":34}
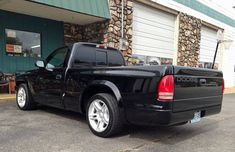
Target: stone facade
{"x":105,"y":32}
{"x":95,"y":32}
{"x":73,"y":33}
{"x":112,"y":37}
{"x":85,"y":33}
{"x":189,"y":40}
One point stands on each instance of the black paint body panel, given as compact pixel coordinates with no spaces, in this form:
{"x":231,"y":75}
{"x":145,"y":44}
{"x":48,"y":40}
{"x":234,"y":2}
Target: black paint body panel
{"x":134,"y":87}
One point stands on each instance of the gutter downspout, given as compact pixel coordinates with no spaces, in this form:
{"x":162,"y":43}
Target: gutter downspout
{"x":122,"y":30}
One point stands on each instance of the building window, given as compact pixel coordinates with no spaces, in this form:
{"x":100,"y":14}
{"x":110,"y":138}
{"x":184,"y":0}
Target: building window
{"x":22,"y":43}
{"x":148,"y":60}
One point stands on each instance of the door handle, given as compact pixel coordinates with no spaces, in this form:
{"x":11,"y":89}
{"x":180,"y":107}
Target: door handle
{"x":58,"y":76}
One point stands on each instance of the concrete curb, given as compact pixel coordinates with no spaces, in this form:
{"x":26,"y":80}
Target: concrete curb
{"x":7,"y":97}
{"x":229,"y":90}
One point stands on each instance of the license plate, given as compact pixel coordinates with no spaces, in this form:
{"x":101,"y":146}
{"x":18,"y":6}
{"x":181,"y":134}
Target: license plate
{"x":197,"y":117}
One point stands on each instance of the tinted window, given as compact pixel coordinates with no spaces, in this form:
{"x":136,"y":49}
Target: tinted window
{"x":57,"y":58}
{"x":101,"y":58}
{"x":115,"y":58}
{"x":84,"y":55}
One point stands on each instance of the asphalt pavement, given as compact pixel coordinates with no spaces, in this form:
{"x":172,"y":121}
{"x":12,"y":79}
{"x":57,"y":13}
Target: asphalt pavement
{"x":53,"y":130}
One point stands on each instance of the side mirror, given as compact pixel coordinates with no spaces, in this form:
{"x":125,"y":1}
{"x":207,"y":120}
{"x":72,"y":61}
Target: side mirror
{"x":40,"y":64}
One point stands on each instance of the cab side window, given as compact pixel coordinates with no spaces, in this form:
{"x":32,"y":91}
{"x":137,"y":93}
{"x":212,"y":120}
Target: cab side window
{"x":84,"y":56}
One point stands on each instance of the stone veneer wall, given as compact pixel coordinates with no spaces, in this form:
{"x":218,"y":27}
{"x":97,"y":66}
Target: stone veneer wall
{"x":189,"y":40}
{"x":113,"y":35}
{"x":72,"y":33}
{"x":95,"y":32}
{"x":106,"y":32}
{"x":85,"y":33}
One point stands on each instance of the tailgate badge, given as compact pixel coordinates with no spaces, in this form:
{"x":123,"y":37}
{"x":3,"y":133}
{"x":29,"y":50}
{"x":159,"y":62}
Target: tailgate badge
{"x":186,"y":79}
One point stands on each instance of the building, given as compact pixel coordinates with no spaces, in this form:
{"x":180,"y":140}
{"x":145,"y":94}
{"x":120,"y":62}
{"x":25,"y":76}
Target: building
{"x":32,"y":29}
{"x":185,"y":32}
{"x":178,"y":32}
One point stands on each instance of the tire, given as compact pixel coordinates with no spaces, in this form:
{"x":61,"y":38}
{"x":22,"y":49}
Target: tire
{"x":24,"y":99}
{"x":107,"y":115}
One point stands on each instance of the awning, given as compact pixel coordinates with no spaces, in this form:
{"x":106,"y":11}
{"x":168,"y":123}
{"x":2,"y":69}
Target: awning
{"x":73,"y":11}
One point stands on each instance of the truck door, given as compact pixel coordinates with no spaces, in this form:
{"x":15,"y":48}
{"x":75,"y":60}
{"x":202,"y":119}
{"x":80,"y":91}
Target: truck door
{"x":51,"y":79}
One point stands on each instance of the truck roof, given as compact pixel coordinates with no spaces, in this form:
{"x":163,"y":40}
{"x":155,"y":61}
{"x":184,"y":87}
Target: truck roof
{"x":102,"y":46}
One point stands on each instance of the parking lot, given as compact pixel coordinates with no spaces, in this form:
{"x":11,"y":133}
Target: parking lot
{"x":49,"y":129}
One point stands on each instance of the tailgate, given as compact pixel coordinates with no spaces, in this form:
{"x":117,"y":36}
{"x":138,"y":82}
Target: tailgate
{"x":196,"y":88}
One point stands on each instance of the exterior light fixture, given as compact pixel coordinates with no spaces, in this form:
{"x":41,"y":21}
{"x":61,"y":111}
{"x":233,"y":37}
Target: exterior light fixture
{"x":123,"y":44}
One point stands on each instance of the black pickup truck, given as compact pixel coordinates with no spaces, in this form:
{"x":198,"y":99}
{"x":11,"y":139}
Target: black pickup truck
{"x":94,"y":80}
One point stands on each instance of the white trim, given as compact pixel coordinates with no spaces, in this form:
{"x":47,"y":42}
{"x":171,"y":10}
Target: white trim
{"x":176,"y":41}
{"x":158,"y":6}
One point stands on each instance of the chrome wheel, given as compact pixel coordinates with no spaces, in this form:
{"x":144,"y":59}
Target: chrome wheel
{"x":98,"y":115}
{"x":21,"y":97}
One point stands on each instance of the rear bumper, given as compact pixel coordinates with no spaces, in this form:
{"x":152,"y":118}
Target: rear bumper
{"x":166,"y":117}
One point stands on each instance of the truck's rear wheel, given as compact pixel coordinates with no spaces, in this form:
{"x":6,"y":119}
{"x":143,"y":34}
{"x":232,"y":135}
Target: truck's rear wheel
{"x":24,"y":99}
{"x":103,"y":115}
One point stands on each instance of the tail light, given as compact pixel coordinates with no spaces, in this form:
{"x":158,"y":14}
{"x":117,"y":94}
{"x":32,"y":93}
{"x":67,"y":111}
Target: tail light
{"x":166,"y":88}
{"x":223,"y":86}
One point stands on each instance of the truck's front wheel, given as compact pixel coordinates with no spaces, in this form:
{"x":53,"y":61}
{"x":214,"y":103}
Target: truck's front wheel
{"x":103,"y":115}
{"x":24,"y":99}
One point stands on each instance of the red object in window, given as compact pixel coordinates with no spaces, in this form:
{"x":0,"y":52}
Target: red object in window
{"x":10,"y":48}
{"x":166,"y":88}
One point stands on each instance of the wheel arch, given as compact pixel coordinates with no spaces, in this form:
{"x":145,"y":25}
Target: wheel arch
{"x":25,"y":81}
{"x":102,"y":86}
{"x":19,"y":82}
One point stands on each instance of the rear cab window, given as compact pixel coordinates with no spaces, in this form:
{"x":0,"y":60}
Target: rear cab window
{"x":101,"y":58}
{"x":90,"y":55}
{"x":115,"y":58}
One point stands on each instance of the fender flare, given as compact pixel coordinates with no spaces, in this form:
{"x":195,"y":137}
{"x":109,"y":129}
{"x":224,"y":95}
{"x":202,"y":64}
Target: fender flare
{"x":104,"y":83}
{"x":26,"y":81}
